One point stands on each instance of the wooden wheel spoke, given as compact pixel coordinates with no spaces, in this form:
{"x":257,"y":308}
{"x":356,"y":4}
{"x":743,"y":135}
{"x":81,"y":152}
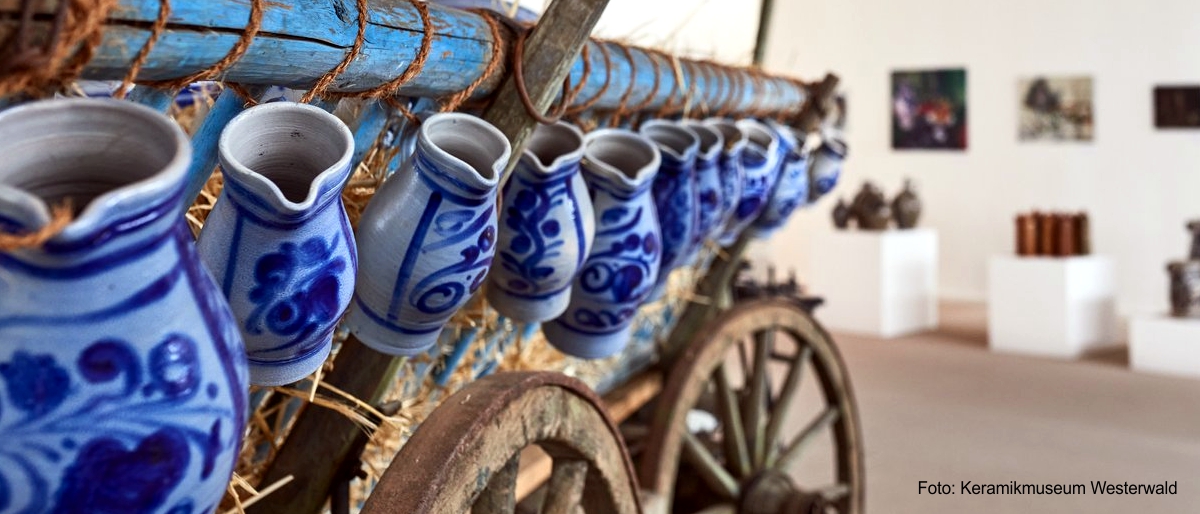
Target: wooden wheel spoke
{"x":834,"y":492}
{"x":723,"y":508}
{"x":715,"y":475}
{"x":787,"y":397}
{"x":757,"y":398}
{"x":792,"y":453}
{"x":501,"y":492}
{"x":564,"y":491}
{"x":731,"y":423}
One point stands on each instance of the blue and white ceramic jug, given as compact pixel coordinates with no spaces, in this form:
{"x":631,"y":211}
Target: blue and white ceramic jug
{"x":791,"y":189}
{"x":675,"y":195}
{"x":427,"y":238}
{"x":278,"y":240}
{"x":760,"y":159}
{"x":622,"y":268}
{"x":732,"y":172}
{"x":826,"y":167}
{"x":546,"y":228}
{"x":709,"y":189}
{"x":123,"y":380}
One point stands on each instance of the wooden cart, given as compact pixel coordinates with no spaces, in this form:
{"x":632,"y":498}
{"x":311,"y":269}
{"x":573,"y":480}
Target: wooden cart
{"x":711,"y":436}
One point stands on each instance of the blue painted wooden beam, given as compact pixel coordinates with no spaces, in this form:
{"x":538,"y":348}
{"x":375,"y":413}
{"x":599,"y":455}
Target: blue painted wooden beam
{"x":299,"y":40}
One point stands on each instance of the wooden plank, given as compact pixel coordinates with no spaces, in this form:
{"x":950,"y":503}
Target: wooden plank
{"x":300,"y":40}
{"x":544,"y":69}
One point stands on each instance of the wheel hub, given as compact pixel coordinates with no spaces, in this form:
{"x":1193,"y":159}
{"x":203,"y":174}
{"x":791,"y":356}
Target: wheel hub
{"x":772,"y":492}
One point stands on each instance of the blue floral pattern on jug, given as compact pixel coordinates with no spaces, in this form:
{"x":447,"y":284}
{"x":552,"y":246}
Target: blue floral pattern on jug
{"x":279,"y":239}
{"x":116,"y":423}
{"x":761,"y":163}
{"x":625,"y":260}
{"x":123,"y":377}
{"x":295,"y":294}
{"x":428,"y":237}
{"x":826,"y":167}
{"x":790,"y":192}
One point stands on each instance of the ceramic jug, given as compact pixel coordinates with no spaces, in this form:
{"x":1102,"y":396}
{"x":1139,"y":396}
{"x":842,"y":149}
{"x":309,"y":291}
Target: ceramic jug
{"x":760,"y":159}
{"x":709,"y":189}
{"x":675,"y":195}
{"x":1185,"y":288}
{"x":546,"y":228}
{"x":427,"y":238}
{"x":841,"y":214}
{"x":906,"y":207}
{"x":826,"y":167}
{"x":1027,"y":236}
{"x":278,"y":240}
{"x":791,"y":188}
{"x":123,"y":380}
{"x":1083,"y":234}
{"x":623,"y":266}
{"x":870,"y":208}
{"x":731,"y":171}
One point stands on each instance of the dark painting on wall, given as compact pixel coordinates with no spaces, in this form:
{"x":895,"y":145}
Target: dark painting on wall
{"x":929,"y":109}
{"x":1177,"y":106}
{"x":1055,"y":109}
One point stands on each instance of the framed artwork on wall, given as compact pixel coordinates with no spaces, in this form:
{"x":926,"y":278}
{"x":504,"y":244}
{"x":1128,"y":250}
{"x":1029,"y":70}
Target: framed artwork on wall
{"x":929,"y":109}
{"x":1177,"y":106}
{"x":1055,"y":108}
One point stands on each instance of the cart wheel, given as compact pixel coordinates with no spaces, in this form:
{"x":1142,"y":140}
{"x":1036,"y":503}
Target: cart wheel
{"x":740,"y":437}
{"x":465,"y":456}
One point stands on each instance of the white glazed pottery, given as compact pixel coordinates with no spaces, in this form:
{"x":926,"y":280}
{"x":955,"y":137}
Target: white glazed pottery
{"x":278,"y":240}
{"x":709,"y":189}
{"x":427,"y":238}
{"x":675,"y":195}
{"x":545,"y":229}
{"x":760,"y":159}
{"x":732,"y":171}
{"x":123,"y":380}
{"x":622,"y":268}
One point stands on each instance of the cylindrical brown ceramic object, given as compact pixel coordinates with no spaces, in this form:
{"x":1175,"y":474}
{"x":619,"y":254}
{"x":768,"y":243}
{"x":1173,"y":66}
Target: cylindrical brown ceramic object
{"x":1083,"y":234}
{"x":1047,"y":235}
{"x":1026,"y":235}
{"x":1067,"y":244}
{"x":1185,"y":288}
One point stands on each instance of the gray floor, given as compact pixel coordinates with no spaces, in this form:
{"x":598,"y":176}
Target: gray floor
{"x":941,"y":407}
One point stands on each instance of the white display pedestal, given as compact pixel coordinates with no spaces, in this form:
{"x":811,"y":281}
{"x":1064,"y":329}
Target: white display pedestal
{"x":1165,"y":345}
{"x":878,"y":283}
{"x":1051,"y":306}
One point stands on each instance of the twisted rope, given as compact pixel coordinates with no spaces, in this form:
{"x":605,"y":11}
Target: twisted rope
{"x":60,"y":216}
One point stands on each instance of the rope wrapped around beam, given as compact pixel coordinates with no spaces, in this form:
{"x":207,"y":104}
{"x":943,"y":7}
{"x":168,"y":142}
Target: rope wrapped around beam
{"x":298,"y":42}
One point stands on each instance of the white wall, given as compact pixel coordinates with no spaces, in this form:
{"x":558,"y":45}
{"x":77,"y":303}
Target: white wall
{"x":724,"y":30}
{"x":1139,"y":184}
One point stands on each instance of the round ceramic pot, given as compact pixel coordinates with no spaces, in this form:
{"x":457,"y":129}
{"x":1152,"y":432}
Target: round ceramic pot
{"x":427,"y":238}
{"x":124,"y":380}
{"x":1185,"y":288}
{"x":841,"y":214}
{"x":709,"y":189}
{"x":826,"y":167}
{"x":906,"y":207}
{"x":791,"y":188}
{"x":623,"y":266}
{"x":546,"y":228}
{"x":278,"y":240}
{"x":675,"y":195}
{"x":732,"y":172}
{"x":1193,"y":227}
{"x":761,"y":161}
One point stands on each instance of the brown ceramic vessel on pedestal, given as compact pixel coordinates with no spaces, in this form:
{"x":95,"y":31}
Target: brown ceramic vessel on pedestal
{"x":906,"y":207}
{"x":870,"y":208}
{"x":1185,"y":288}
{"x":841,"y":214}
{"x":1083,"y":234}
{"x":1026,"y":235}
{"x":1067,"y":243}
{"x":1047,"y":234}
